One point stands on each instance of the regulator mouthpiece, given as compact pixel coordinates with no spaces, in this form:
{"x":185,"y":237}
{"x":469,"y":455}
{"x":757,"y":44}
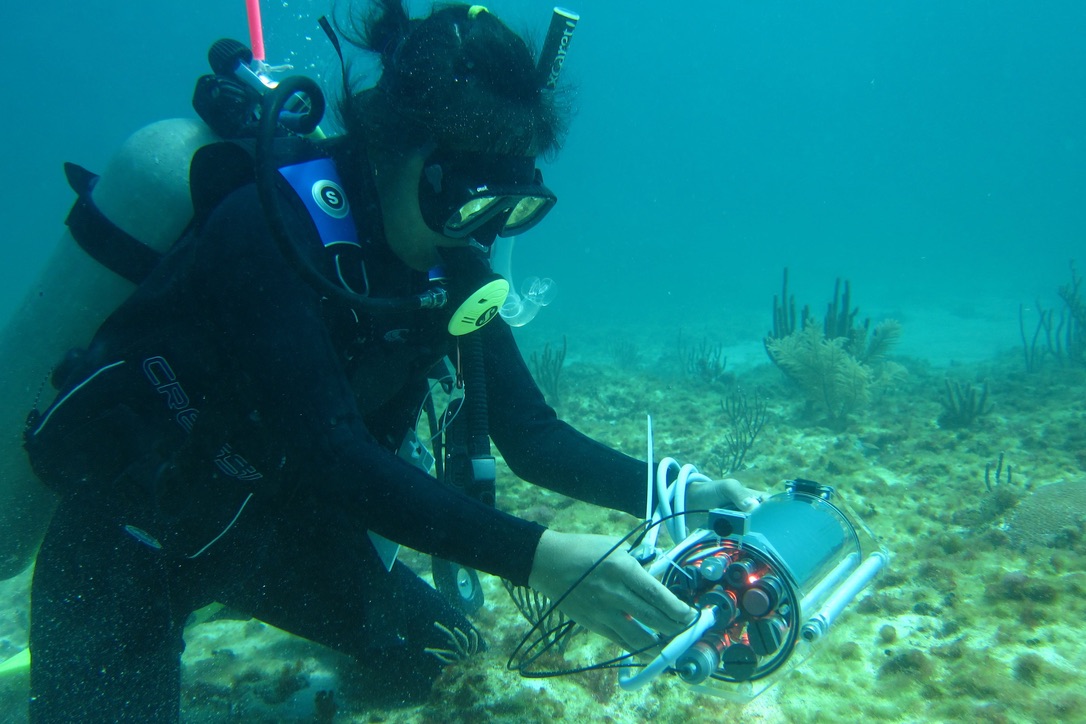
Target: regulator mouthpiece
{"x":476,"y":290}
{"x":535,"y":293}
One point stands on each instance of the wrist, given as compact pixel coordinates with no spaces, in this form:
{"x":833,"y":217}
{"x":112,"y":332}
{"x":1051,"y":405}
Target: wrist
{"x":537,"y":576}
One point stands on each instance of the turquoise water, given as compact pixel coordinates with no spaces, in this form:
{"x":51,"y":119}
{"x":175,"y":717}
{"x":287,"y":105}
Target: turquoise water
{"x":934,"y":153}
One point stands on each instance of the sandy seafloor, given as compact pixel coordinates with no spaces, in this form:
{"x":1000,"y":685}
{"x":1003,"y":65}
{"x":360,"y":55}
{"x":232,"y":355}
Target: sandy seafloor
{"x":972,"y":622}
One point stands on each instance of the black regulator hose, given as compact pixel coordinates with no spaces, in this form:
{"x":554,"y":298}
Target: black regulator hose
{"x":481,"y":485}
{"x":272,"y":106}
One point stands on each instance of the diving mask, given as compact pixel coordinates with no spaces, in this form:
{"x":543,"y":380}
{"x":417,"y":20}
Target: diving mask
{"x":482,"y":196}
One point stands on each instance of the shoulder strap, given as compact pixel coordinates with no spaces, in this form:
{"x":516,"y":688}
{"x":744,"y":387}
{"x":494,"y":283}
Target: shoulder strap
{"x":216,"y":171}
{"x":106,"y":242}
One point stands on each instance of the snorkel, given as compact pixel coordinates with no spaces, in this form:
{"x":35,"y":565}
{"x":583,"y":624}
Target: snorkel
{"x":555,"y":46}
{"x":536,"y":293}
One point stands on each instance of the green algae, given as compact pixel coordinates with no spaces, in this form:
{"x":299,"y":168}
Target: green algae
{"x":970,"y":623}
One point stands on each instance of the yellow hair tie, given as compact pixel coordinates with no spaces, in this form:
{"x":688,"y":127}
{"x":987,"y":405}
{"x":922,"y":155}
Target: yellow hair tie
{"x":474,"y":10}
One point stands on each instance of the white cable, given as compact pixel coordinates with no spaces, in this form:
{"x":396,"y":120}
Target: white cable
{"x":671,"y":499}
{"x":675,"y":648}
{"x":430,"y":394}
{"x":77,"y":388}
{"x":663,"y":501}
{"x":229,"y":525}
{"x":665,"y":492}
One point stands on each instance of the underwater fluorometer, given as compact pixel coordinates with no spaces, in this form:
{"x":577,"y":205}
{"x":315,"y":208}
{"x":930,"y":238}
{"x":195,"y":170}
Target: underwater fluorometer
{"x":767,"y":585}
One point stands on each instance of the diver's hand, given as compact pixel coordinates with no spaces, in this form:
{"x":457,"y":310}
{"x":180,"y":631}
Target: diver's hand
{"x":608,"y":599}
{"x":707,"y":495}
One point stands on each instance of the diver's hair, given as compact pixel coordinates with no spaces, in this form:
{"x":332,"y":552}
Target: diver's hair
{"x":458,"y":79}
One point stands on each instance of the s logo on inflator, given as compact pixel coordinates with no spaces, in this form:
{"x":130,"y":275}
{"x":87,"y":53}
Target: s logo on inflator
{"x":330,"y":198}
{"x":486,"y":316}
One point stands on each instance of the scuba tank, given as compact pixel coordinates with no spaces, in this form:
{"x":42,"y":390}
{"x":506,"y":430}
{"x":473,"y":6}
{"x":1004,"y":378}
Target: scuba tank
{"x":122,"y":222}
{"x":73,"y":296}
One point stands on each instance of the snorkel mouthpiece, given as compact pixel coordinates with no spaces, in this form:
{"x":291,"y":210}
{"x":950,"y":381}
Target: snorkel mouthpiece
{"x":474,"y":288}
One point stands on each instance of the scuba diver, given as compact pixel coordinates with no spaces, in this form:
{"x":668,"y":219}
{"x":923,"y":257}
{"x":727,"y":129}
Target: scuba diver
{"x":242,"y":422}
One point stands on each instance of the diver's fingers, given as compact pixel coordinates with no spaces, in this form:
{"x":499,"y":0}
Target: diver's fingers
{"x":657,"y":607}
{"x":634,"y":634}
{"x":622,"y":630}
{"x":744,"y":498}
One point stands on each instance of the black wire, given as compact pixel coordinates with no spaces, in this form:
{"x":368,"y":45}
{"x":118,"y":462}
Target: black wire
{"x":548,"y":641}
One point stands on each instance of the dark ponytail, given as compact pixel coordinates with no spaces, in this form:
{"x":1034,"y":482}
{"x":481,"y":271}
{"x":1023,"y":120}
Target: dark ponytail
{"x":382,"y":29}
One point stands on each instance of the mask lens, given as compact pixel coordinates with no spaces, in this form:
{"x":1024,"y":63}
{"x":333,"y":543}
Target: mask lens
{"x":471,"y":213}
{"x":459,"y":194}
{"x":527,"y":211}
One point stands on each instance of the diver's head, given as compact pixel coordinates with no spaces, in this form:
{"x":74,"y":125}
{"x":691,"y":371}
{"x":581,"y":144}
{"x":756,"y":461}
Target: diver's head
{"x":453,"y":127}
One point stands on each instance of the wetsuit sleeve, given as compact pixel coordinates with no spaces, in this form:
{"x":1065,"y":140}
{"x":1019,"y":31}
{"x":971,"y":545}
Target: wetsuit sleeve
{"x":544,"y":450}
{"x":270,"y":330}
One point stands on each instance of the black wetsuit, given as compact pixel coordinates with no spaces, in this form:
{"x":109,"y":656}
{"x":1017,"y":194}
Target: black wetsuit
{"x":229,"y":436}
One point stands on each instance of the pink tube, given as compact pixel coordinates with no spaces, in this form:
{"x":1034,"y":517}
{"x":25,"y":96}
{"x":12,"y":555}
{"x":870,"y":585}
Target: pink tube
{"x":256,"y":30}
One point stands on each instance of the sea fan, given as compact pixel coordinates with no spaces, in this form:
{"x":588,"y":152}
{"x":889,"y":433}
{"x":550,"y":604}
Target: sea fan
{"x":828,"y":375}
